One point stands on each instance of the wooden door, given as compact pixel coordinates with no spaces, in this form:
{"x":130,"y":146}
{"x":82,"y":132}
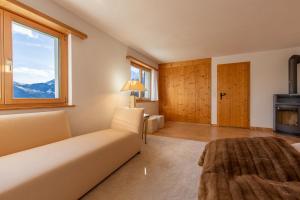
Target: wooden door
{"x":184,"y":91}
{"x":233,"y":94}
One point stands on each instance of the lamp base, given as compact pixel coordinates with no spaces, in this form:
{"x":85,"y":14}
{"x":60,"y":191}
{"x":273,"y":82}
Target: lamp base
{"x":132,"y":101}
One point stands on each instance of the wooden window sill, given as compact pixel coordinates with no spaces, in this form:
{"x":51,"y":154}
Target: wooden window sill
{"x":36,"y":106}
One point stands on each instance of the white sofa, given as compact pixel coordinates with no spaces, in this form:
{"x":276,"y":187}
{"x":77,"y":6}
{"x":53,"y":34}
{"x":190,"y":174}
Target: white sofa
{"x":41,"y":161}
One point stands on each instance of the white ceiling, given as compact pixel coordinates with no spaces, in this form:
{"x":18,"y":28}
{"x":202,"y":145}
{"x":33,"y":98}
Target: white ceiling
{"x":171,"y":30}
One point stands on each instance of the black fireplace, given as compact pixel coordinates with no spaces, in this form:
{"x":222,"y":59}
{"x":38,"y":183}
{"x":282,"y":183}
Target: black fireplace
{"x":287,"y":113}
{"x":287,"y":106}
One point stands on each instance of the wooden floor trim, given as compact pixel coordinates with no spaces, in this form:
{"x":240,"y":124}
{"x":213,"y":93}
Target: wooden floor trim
{"x":207,"y":132}
{"x":261,"y":129}
{"x":252,"y":128}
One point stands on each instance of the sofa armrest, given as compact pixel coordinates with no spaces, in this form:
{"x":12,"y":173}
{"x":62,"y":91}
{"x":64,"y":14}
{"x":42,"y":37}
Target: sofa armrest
{"x":128,"y":119}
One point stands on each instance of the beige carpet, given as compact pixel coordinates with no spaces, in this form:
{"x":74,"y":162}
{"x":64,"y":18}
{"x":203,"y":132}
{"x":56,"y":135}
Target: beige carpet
{"x":166,"y":169}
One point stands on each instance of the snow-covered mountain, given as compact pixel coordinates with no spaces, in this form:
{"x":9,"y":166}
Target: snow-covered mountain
{"x":36,"y":90}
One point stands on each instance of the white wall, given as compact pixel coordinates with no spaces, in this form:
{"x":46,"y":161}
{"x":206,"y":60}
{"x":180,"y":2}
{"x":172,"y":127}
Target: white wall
{"x":99,"y":70}
{"x":268,"y":76}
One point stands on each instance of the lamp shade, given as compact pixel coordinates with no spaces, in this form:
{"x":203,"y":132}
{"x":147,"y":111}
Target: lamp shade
{"x":133,"y":86}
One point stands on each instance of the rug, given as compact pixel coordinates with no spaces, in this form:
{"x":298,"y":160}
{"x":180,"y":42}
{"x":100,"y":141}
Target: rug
{"x":166,"y":169}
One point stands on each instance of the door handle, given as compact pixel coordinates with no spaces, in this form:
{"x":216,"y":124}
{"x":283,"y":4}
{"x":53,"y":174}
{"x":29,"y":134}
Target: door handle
{"x":222,"y":94}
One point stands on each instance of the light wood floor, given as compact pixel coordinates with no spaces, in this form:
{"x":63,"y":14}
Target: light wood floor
{"x":207,"y":132}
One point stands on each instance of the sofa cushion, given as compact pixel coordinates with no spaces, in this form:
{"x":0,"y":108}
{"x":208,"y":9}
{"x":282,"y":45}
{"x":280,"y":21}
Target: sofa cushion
{"x":67,"y":169}
{"x":128,"y":119}
{"x":24,"y":131}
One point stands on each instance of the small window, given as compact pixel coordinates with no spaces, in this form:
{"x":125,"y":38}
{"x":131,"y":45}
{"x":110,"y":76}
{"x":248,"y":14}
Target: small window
{"x":143,"y":75}
{"x":146,"y":81}
{"x":135,"y":74}
{"x":35,"y":63}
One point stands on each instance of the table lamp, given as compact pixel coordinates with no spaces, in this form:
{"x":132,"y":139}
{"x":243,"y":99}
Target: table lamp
{"x":133,"y":86}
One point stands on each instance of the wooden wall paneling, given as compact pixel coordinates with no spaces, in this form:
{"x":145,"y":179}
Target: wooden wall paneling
{"x":184,"y":89}
{"x":180,"y":95}
{"x":203,"y":95}
{"x":163,"y":85}
{"x":189,"y":93}
{"x":171,"y":100}
{"x":175,"y":84}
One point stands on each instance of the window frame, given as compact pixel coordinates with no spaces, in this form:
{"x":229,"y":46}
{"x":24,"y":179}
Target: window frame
{"x":141,"y":68}
{"x":1,"y":59}
{"x":7,"y":100}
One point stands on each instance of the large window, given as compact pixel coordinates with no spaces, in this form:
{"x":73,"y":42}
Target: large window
{"x":34,"y":61}
{"x":143,"y":75}
{"x":38,"y":76}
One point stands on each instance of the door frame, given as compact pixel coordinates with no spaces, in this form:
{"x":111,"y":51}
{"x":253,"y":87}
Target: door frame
{"x":248,"y":93}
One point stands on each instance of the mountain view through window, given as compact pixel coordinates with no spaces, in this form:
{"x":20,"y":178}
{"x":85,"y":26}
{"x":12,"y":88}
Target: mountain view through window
{"x":35,"y":63}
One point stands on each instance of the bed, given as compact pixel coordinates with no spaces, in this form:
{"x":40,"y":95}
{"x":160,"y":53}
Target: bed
{"x":250,"y":168}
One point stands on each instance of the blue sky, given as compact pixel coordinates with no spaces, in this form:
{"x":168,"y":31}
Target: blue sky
{"x":135,"y":73}
{"x":34,"y":55}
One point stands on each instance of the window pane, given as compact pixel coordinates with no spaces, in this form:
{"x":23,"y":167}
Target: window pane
{"x":146,"y":81}
{"x":35,"y":63}
{"x":135,"y":76}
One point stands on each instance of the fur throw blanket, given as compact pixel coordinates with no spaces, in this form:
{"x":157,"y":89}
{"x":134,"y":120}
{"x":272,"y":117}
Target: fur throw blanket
{"x":250,"y":168}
